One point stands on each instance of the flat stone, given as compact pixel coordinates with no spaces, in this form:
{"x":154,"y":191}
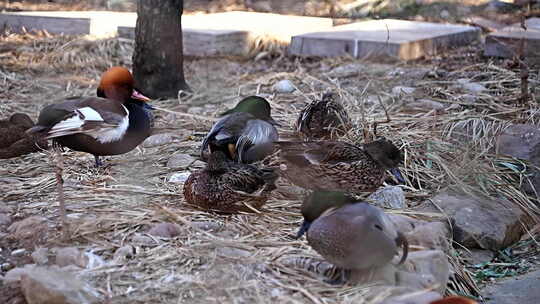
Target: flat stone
{"x":523,"y":290}
{"x":392,"y":38}
{"x":388,"y":197}
{"x":423,"y":234}
{"x":98,"y":23}
{"x":180,"y":160}
{"x":479,"y":222}
{"x":44,"y":285}
{"x":471,"y":87}
{"x":179,"y":178}
{"x":233,"y":33}
{"x":158,"y":140}
{"x":507,"y":41}
{"x":165,"y":230}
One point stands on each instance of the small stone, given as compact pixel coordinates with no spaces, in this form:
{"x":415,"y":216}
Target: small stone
{"x":401,"y":90}
{"x":179,"y":178}
{"x":479,"y":256}
{"x":6,"y":266}
{"x":207,"y":225}
{"x":18,"y":252}
{"x":195,"y":110}
{"x":165,"y":230}
{"x":158,"y":140}
{"x":444,"y":14}
{"x":180,"y":161}
{"x":71,"y":256}
{"x":389,"y":197}
{"x":471,"y":87}
{"x":346,"y":70}
{"x":124,"y":253}
{"x":44,"y":285}
{"x":41,"y":256}
{"x":284,"y":86}
{"x":4,"y":219}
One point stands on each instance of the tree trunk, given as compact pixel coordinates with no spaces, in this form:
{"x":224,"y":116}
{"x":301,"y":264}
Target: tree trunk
{"x":158,"y":57}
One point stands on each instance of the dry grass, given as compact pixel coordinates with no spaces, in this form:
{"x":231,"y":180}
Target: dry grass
{"x":246,"y":257}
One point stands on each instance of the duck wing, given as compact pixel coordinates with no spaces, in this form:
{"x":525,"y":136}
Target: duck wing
{"x":248,"y":178}
{"x":318,"y":152}
{"x":256,"y":140}
{"x":100,"y":118}
{"x":226,"y":131}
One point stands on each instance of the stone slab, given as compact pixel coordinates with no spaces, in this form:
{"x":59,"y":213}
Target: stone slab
{"x":398,"y":39}
{"x":98,"y":23}
{"x":235,"y":32}
{"x":522,"y":289}
{"x":507,"y":41}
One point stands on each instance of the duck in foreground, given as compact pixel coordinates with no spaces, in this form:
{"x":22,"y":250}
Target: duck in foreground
{"x":245,"y":133}
{"x":323,"y":118}
{"x":350,"y":234}
{"x":14,"y":141}
{"x":337,"y":165}
{"x":227,"y":186}
{"x":115,"y":122}
{"x":455,"y":300}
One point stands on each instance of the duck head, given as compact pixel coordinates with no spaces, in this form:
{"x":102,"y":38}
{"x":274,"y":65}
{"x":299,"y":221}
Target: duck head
{"x":319,"y":202}
{"x":217,"y":162}
{"x":256,"y":106}
{"x":21,"y":119}
{"x":117,"y":83}
{"x":384,"y":152}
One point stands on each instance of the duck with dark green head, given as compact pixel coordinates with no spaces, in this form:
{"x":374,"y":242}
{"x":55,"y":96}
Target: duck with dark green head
{"x":245,"y":133}
{"x":337,"y":165}
{"x":350,"y":234}
{"x":228,"y":186}
{"x":323,"y":119}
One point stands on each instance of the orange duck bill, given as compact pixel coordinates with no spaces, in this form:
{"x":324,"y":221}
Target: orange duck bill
{"x":139,"y":96}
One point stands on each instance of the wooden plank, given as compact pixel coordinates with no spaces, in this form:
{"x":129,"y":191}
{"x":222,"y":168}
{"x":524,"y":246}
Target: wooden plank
{"x":384,"y":38}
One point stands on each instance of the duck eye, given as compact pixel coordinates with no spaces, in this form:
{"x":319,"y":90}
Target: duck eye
{"x":378,"y":227}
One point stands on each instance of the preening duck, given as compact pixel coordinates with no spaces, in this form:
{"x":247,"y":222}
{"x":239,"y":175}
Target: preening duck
{"x":113,"y":123}
{"x":14,"y":141}
{"x":323,"y":119}
{"x":245,"y":133}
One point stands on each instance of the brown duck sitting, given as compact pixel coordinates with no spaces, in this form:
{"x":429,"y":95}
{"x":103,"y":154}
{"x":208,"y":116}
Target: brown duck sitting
{"x":350,"y":234}
{"x":339,"y":166}
{"x":113,"y":123}
{"x":228,"y":186}
{"x":323,"y":118}
{"x":13,"y":138}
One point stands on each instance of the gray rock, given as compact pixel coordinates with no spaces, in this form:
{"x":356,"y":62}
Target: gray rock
{"x":522,"y":141}
{"x":428,"y":268}
{"x":522,"y":289}
{"x":71,"y":256}
{"x":471,"y":87}
{"x":389,"y":197}
{"x":423,"y":234}
{"x":124,"y":253}
{"x":179,"y":178}
{"x":143,"y":240}
{"x":6,"y":266}
{"x":45,"y":285}
{"x":347,"y":70}
{"x":4,"y":219}
{"x":478,"y":256}
{"x":284,"y":86}
{"x":165,"y":230}
{"x":401,"y":90}
{"x":41,"y":256}
{"x":158,"y":140}
{"x":479,"y":222}
{"x":18,"y":252}
{"x":180,"y":161}
{"x":207,"y":225}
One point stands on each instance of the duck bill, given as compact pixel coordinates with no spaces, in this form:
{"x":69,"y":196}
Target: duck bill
{"x":303,"y":229}
{"x":139,"y":96}
{"x":397,"y":174}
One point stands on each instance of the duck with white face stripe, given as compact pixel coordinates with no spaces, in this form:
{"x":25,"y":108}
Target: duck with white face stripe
{"x":114,"y":123}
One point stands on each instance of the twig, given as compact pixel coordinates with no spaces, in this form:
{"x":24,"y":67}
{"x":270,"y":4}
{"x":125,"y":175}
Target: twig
{"x":58,"y":162}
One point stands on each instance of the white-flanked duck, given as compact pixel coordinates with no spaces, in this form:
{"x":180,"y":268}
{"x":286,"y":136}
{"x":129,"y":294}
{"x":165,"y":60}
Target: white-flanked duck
{"x":115,"y":122}
{"x":245,"y":133}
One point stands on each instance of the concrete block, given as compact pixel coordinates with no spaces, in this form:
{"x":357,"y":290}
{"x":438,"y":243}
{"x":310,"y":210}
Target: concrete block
{"x":98,"y":23}
{"x":507,"y":42}
{"x":398,"y":39}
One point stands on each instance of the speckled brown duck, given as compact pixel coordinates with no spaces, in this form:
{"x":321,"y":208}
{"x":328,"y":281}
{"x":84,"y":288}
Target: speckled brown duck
{"x":337,"y":165}
{"x":455,"y":300}
{"x":228,"y":186}
{"x":350,"y":234}
{"x":113,"y":123}
{"x":323,"y":119}
{"x":14,"y":141}
{"x":245,"y":133}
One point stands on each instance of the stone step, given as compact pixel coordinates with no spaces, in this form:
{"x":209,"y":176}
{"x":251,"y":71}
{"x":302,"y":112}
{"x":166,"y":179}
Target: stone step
{"x":506,"y":42}
{"x":398,"y":39}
